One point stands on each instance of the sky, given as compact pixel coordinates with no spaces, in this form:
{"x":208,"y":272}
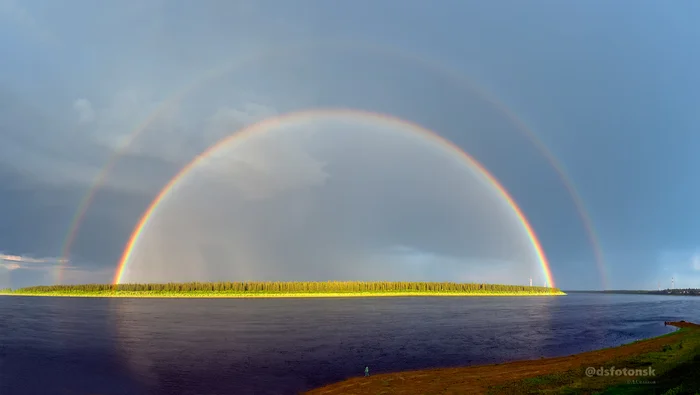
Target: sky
{"x":609,"y":88}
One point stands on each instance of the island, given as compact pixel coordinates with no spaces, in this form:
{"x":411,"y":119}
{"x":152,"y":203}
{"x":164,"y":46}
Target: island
{"x":665,"y":365}
{"x":270,"y":289}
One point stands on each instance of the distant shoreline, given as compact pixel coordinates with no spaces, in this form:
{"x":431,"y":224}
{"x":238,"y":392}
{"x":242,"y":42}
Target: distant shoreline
{"x":214,"y":295}
{"x":665,"y":292}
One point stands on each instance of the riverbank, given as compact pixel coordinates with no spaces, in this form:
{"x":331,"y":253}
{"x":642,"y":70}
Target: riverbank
{"x":671,"y":363}
{"x":146,"y":294}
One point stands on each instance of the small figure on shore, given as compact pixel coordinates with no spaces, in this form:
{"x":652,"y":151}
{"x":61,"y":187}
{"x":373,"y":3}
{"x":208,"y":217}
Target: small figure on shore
{"x":366,"y":371}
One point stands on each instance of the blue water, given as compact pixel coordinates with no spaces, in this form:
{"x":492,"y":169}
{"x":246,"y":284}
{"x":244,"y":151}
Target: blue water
{"x":279,"y":346}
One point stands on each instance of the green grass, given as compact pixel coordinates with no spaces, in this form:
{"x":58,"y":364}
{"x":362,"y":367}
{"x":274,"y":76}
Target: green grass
{"x":676,"y":368}
{"x":283,"y":289}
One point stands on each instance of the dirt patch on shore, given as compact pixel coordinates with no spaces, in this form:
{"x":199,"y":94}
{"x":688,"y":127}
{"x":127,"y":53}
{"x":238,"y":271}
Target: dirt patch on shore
{"x":682,"y":324}
{"x":478,"y":379}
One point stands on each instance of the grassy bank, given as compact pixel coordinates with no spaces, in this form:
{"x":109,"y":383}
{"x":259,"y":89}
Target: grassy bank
{"x":674,"y":360}
{"x":283,"y":290}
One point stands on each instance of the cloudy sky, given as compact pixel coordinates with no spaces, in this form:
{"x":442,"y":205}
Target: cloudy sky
{"x":609,"y":89}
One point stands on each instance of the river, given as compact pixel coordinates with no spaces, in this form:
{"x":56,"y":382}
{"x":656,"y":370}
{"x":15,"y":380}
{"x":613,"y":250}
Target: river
{"x":283,"y":346}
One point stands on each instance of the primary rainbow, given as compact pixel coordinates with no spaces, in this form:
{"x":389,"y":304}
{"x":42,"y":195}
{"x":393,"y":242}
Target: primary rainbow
{"x":173,"y":100}
{"x":265,"y":125}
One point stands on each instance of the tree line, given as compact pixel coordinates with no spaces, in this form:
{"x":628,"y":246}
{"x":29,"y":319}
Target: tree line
{"x":293,"y":287}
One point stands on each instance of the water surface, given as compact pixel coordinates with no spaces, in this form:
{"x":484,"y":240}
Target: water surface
{"x":279,"y":346}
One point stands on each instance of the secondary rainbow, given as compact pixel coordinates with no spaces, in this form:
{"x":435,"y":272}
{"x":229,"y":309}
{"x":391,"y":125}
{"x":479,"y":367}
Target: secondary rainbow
{"x":269,"y":123}
{"x":212,"y":74}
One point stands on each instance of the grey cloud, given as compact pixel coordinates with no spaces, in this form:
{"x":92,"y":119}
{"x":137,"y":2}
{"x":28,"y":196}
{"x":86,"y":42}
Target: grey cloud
{"x":29,"y":259}
{"x":683,"y":265}
{"x":48,"y":180}
{"x":227,"y":120}
{"x":85,"y":112}
{"x":126,"y":111}
{"x":43,"y":147}
{"x":138,"y":127}
{"x":37,"y":218}
{"x":10,"y":265}
{"x":260,"y":171}
{"x":35,"y":215}
{"x":100,"y":275}
{"x":381,"y":189}
{"x":15,"y":14}
{"x":284,"y":210}
{"x":23,"y":277}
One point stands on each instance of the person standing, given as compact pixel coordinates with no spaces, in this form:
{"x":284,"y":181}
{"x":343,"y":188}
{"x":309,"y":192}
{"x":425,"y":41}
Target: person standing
{"x":366,"y":371}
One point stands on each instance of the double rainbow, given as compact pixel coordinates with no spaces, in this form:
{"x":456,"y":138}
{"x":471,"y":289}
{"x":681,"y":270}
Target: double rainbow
{"x":269,"y":55}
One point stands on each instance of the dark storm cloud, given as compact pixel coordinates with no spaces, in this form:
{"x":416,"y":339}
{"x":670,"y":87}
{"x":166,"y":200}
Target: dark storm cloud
{"x":619,"y":115}
{"x":176,"y":135}
{"x":37,"y":217}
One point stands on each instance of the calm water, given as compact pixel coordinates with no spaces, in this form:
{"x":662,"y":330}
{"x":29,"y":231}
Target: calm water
{"x":278,"y":346}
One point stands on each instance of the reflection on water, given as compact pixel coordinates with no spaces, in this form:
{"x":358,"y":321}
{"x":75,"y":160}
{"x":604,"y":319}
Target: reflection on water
{"x":234,"y":346}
